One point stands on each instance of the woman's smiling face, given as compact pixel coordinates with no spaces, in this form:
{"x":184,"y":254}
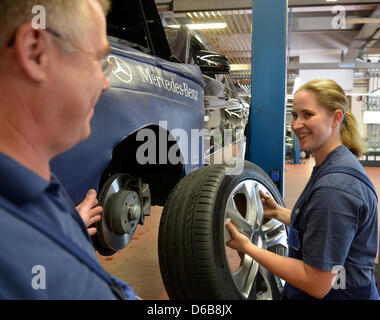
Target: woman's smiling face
{"x":311,"y":122}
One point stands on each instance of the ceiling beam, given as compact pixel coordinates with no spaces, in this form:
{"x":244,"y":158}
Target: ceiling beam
{"x":332,"y":65}
{"x":311,"y":66}
{"x":354,"y":20}
{"x":365,"y":39}
{"x":201,"y":5}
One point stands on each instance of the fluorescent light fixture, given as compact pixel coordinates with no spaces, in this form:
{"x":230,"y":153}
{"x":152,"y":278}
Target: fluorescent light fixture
{"x":202,"y":26}
{"x":371,"y":117}
{"x":240,"y":67}
{"x":297,"y":84}
{"x":331,"y":0}
{"x":358,"y":94}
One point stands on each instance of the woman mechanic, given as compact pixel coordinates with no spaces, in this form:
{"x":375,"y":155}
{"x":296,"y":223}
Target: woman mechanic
{"x":333,"y":231}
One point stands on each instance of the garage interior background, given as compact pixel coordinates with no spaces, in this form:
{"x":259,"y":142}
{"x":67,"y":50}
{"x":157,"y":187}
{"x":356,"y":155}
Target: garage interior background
{"x":334,"y":39}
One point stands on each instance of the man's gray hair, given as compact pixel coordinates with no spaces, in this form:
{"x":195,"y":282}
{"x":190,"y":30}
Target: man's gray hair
{"x":69,"y":18}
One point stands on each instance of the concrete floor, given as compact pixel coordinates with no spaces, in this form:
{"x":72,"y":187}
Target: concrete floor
{"x":137,"y":264}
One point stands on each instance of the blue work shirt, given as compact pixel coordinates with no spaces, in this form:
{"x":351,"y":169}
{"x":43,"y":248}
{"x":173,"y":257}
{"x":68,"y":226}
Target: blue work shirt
{"x":337,"y":226}
{"x":32,"y":266}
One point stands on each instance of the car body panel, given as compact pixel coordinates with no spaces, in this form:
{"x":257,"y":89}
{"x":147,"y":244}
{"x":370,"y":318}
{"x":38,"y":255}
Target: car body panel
{"x":145,"y":90}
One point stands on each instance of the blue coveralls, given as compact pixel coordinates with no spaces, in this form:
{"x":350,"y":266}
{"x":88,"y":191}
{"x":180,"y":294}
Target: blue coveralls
{"x":32,"y":264}
{"x":334,"y":226}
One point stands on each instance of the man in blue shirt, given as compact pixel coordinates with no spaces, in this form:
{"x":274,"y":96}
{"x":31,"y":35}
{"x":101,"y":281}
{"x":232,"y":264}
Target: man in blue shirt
{"x":51,"y":77}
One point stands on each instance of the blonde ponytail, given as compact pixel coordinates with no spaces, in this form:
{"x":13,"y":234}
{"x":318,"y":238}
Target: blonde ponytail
{"x":350,"y":135}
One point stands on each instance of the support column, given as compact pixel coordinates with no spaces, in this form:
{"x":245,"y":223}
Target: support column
{"x":266,"y":131}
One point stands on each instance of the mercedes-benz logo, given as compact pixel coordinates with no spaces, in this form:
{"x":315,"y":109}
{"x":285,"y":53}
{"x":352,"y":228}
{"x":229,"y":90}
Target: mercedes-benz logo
{"x":121,"y":70}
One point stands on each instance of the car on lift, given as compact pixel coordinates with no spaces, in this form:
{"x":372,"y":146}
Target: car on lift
{"x":147,"y":147}
{"x":224,"y":109}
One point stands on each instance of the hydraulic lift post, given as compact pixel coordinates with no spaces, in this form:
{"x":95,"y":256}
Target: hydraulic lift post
{"x":266,"y":129}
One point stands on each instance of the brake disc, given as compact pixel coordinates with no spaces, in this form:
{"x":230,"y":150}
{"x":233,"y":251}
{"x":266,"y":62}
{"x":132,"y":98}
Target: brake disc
{"x":124,"y":207}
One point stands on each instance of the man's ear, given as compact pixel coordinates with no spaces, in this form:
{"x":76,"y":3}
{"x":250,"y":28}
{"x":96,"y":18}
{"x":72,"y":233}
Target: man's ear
{"x":31,"y":47}
{"x":337,"y":118}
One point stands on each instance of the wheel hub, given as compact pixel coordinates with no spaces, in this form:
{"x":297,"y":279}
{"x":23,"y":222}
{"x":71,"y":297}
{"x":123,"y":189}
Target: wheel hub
{"x":125,"y":202}
{"x":123,"y":211}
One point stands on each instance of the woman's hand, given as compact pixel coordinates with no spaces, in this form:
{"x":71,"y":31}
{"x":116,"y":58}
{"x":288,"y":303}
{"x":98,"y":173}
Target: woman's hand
{"x":89,"y":211}
{"x":273,"y":210}
{"x":270,"y":206}
{"x":238,"y":241}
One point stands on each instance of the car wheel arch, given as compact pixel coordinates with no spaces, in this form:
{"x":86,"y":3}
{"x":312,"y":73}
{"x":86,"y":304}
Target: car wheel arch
{"x":161,"y":177}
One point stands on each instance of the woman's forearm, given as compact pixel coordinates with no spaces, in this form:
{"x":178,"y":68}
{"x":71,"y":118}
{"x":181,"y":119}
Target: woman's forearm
{"x":283,"y":215}
{"x":314,"y":282}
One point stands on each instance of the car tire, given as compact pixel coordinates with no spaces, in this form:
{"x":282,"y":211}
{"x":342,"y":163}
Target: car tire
{"x":194,"y":261}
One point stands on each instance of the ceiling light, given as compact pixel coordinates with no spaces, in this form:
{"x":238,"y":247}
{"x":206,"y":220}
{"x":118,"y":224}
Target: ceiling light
{"x":202,"y":26}
{"x":371,"y":117}
{"x":331,"y":0}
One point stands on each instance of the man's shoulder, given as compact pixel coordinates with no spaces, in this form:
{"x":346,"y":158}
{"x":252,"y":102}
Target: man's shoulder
{"x":27,"y":256}
{"x":9,"y":222}
{"x":19,"y":234}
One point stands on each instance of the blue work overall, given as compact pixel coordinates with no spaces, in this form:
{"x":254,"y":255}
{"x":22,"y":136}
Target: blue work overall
{"x":295,"y":238}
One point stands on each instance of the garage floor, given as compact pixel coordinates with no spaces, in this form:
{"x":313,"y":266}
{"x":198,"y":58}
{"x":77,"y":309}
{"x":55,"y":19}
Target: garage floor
{"x":137,"y":264}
